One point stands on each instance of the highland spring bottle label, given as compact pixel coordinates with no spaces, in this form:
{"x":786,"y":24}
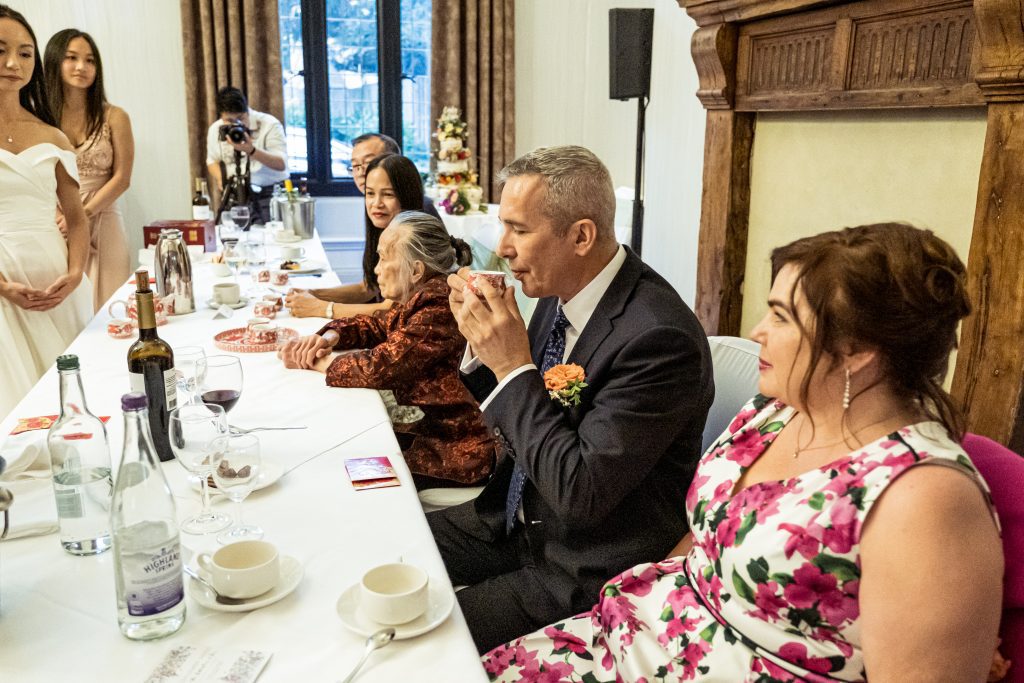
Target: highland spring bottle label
{"x":152,"y":578}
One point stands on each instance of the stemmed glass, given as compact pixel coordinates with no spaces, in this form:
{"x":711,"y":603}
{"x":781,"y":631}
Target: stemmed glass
{"x":185,"y":360}
{"x":236,"y":467}
{"x":220,"y":380}
{"x":194,"y":432}
{"x":234,"y":255}
{"x":240,"y":216}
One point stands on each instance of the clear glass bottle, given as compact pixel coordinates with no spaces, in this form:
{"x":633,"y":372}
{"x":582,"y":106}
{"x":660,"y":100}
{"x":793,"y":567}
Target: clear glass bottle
{"x":80,"y":463}
{"x":147,"y":548}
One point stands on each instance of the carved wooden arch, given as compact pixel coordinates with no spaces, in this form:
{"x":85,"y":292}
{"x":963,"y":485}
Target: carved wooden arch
{"x":801,"y":55}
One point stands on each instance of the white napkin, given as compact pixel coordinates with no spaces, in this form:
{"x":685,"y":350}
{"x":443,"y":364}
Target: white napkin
{"x":26,"y":454}
{"x":34,"y":510}
{"x":223,"y":311}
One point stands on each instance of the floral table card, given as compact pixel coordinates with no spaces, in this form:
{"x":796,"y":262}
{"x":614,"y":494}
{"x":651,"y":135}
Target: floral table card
{"x":191,"y":664}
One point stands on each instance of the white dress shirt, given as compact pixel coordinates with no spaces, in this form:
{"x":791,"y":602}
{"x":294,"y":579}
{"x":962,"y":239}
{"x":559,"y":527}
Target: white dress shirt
{"x":578,"y":312}
{"x":267,"y":134}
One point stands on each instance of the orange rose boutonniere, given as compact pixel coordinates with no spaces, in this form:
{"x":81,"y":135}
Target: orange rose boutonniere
{"x":564,"y":383}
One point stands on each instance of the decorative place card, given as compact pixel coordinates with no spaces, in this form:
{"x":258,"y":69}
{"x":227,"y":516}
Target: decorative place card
{"x":28,"y":424}
{"x":191,"y":664}
{"x":371,"y":473}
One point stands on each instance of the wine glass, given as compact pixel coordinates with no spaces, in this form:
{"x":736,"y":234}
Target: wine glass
{"x":193,"y":431}
{"x":234,"y":255}
{"x":240,"y":216}
{"x":236,"y":467}
{"x":185,"y":359}
{"x":220,"y":380}
{"x":227,"y":228}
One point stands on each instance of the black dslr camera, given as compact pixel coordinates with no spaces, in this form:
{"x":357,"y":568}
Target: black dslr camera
{"x":234,"y":130}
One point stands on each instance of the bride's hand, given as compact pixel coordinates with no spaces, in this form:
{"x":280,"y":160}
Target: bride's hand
{"x":61,"y":288}
{"x":26,"y":297}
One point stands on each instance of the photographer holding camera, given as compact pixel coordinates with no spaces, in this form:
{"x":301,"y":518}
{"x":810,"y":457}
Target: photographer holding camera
{"x":247,"y":142}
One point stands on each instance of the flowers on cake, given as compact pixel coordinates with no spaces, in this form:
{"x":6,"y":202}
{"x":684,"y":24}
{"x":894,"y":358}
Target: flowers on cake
{"x":564,"y":383}
{"x":455,"y":183}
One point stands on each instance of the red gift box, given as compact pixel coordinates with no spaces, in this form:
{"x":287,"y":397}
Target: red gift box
{"x":193,"y":232}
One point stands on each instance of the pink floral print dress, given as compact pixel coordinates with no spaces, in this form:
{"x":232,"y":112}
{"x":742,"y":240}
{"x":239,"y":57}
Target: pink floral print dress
{"x":768,"y":591}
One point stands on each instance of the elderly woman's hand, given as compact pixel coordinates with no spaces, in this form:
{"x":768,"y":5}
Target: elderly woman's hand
{"x":305,"y":352}
{"x":302,"y":304}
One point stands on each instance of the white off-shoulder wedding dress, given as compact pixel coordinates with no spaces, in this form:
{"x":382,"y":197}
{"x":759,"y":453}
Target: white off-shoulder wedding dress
{"x":33,"y":252}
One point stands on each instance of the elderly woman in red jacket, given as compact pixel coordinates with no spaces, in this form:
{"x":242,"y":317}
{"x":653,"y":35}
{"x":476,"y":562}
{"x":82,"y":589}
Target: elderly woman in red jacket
{"x":413,"y":349}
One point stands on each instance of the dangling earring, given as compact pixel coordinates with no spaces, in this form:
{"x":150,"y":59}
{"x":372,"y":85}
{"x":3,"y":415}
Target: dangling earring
{"x":846,"y":392}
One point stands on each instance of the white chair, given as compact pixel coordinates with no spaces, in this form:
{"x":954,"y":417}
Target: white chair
{"x":439,"y":499}
{"x":736,"y":374}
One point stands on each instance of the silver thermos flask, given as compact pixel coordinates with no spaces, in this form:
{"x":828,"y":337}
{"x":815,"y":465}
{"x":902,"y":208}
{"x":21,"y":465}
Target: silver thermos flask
{"x":174,"y":271}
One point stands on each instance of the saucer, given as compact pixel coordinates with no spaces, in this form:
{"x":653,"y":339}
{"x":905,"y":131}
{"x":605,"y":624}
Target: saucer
{"x":287,"y":240}
{"x":291,"y":576}
{"x":439,"y":606}
{"x":241,"y":303}
{"x":269,"y":473}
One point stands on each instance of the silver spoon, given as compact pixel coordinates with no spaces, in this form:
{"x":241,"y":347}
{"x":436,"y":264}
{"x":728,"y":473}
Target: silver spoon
{"x":222,"y":599}
{"x":374,"y":642}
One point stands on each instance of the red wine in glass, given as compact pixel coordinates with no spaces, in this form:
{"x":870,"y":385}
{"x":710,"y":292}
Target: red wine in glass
{"x":225,"y":398}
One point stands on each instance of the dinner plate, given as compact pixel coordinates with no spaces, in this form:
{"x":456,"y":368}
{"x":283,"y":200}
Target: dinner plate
{"x":269,"y":473}
{"x":306,"y":265}
{"x":291,"y":577}
{"x":440,"y":601}
{"x":241,"y":303}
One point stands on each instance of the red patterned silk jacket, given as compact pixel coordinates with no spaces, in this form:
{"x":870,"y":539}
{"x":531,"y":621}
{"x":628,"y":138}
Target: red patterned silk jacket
{"x":414,"y":349}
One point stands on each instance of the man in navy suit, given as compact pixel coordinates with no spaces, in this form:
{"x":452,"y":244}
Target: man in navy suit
{"x":580,"y":493}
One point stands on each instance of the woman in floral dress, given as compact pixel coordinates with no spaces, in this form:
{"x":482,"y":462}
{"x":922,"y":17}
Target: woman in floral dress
{"x":820,"y":549}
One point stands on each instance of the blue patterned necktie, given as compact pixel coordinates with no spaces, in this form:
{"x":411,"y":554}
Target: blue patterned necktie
{"x":554,"y":349}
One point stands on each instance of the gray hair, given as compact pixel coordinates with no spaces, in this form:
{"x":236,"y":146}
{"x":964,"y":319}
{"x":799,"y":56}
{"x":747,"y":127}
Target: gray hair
{"x":424,"y":238}
{"x":578,"y":186}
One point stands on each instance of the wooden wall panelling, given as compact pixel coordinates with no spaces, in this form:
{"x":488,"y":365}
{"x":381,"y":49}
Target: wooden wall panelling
{"x":724,"y":214}
{"x":725,"y":198}
{"x":879,"y":54}
{"x":990,"y":365}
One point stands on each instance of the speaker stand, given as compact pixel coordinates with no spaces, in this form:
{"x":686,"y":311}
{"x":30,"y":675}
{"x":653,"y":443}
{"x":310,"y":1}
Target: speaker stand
{"x":637,"y":233}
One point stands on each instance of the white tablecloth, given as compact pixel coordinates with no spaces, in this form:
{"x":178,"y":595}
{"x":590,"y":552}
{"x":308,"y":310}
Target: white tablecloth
{"x":58,"y":614}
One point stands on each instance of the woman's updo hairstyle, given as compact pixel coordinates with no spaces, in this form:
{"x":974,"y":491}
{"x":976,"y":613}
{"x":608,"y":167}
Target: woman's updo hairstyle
{"x":890,"y":287}
{"x":424,"y":238}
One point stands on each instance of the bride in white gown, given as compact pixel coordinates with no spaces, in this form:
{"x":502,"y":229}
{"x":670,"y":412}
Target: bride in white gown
{"x":44,"y":300}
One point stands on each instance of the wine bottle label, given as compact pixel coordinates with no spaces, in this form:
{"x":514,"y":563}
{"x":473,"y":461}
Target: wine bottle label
{"x":201,"y":212}
{"x":152,"y":578}
{"x":170,"y":384}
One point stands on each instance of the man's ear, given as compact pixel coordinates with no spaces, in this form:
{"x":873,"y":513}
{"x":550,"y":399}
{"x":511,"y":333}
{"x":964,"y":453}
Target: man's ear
{"x":584,"y":236}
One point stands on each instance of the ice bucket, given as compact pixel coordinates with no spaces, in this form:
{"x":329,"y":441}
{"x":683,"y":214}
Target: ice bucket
{"x":298,"y":215}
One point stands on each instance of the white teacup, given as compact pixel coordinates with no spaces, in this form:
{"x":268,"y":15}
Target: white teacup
{"x":242,"y":570}
{"x":394,"y":593}
{"x":226,"y":293}
{"x":220,"y":269}
{"x":291,"y":253}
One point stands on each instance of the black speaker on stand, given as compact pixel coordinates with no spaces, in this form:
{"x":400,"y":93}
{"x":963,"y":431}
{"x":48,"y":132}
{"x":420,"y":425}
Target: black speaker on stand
{"x":630,"y":36}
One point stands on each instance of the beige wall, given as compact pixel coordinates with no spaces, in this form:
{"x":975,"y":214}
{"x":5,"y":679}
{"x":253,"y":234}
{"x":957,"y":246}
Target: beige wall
{"x":562,"y":98}
{"x":143,"y":72}
{"x":817,"y":172}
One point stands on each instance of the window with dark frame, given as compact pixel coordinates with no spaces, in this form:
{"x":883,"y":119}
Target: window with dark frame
{"x":350,"y":67}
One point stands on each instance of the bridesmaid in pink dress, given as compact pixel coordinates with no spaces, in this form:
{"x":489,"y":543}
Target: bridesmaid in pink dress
{"x":102,"y":136}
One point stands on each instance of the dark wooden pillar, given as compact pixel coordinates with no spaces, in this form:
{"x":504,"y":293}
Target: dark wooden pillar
{"x":990,"y":365}
{"x":725,"y":199}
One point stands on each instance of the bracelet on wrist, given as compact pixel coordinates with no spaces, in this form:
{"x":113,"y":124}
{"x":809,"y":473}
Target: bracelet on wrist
{"x":329,"y":310}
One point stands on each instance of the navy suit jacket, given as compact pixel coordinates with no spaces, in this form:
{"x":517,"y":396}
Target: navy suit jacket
{"x":607,"y":479}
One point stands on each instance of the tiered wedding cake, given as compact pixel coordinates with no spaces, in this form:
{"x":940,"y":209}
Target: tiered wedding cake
{"x":455,"y":185}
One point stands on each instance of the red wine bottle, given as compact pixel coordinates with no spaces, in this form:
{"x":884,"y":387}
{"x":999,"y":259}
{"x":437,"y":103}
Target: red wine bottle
{"x":151,"y":368}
